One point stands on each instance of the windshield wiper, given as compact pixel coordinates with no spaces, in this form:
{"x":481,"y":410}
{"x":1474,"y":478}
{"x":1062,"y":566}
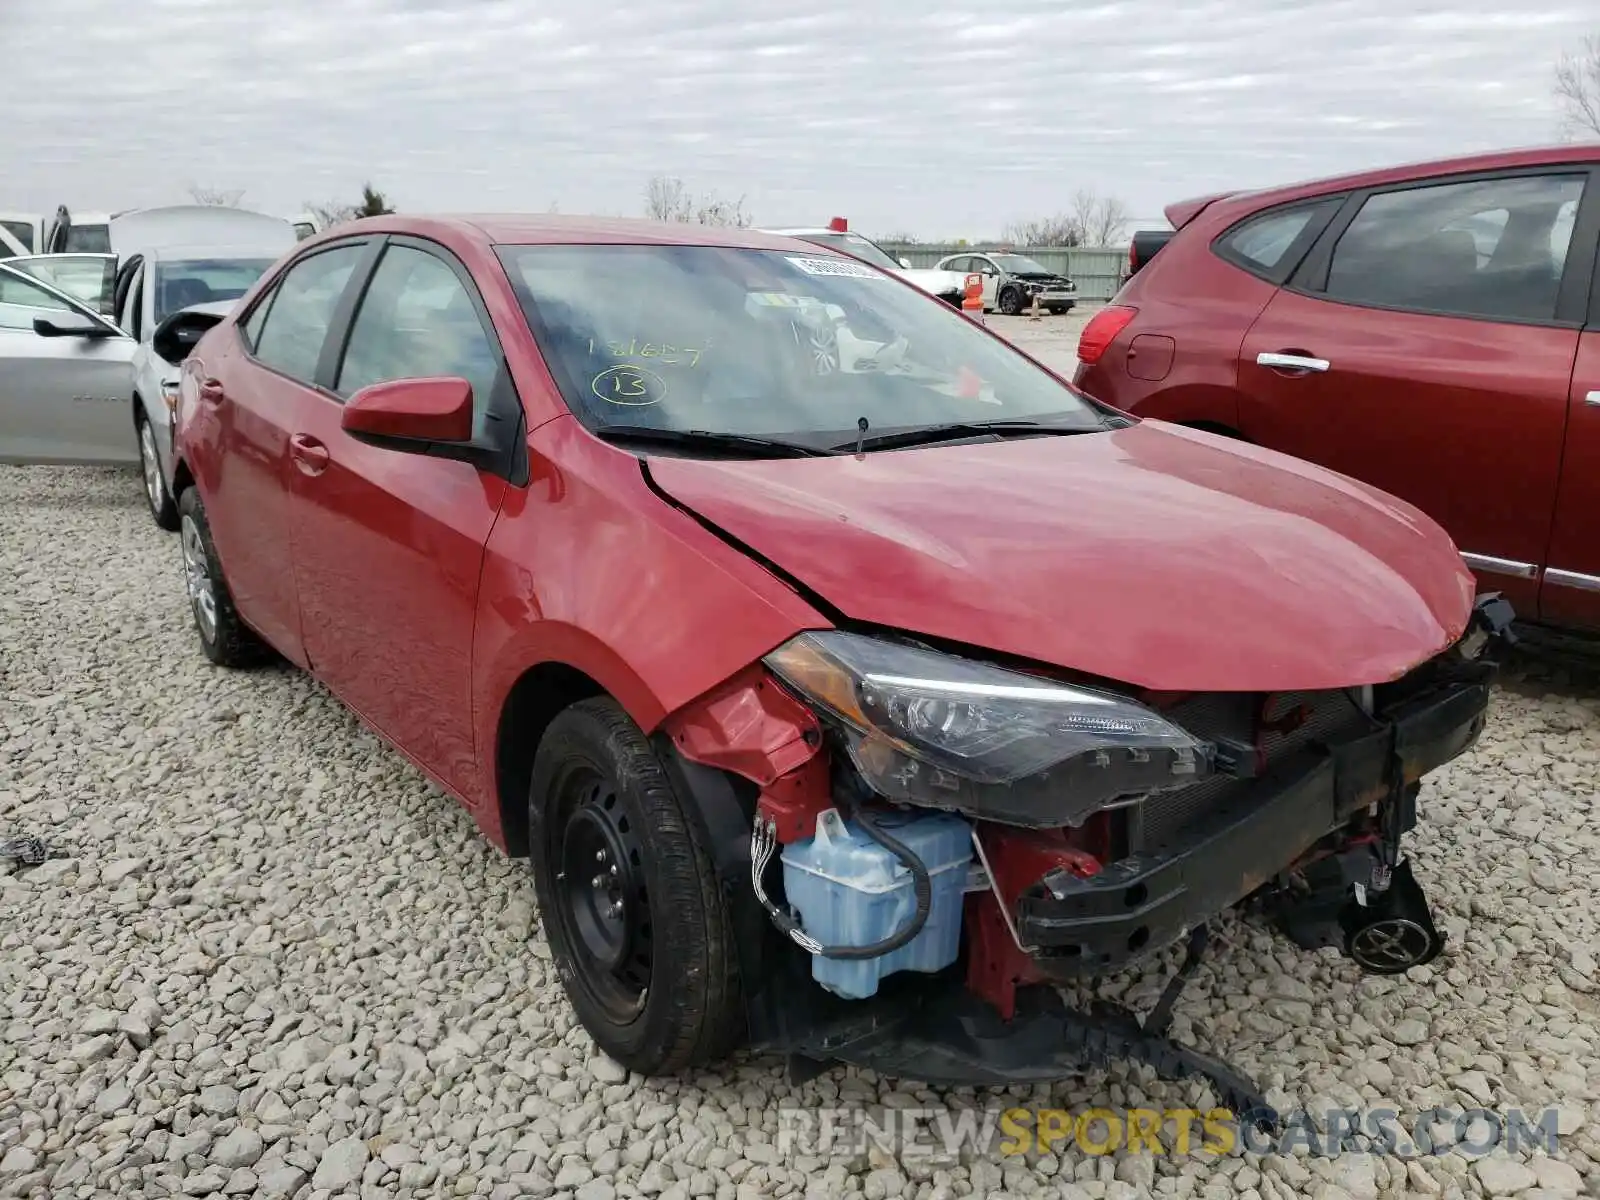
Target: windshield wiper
{"x":927,"y":434}
{"x":703,"y":439}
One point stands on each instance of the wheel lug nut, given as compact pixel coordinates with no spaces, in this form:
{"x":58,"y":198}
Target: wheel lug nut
{"x":598,"y":881}
{"x":616,"y":908}
{"x":613,"y":870}
{"x":599,"y":856}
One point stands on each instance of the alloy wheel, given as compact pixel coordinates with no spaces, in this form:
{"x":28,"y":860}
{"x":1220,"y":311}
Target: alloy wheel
{"x":154,"y":486}
{"x":197,"y":579}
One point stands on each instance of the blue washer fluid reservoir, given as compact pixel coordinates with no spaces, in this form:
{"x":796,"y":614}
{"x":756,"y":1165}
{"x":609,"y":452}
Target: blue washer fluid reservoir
{"x":850,"y":891}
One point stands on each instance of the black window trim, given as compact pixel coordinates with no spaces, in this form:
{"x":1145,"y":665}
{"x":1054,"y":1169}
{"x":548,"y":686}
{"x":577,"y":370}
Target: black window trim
{"x":1576,"y":299}
{"x":1329,"y":204}
{"x":369,"y":245}
{"x":122,"y":285}
{"x":503,"y":450}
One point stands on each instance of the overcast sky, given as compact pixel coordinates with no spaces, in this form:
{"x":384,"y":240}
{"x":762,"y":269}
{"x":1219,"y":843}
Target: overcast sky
{"x":937,"y":117}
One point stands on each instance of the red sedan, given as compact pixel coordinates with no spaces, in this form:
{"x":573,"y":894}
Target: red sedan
{"x":1432,"y":329}
{"x":670,"y":551}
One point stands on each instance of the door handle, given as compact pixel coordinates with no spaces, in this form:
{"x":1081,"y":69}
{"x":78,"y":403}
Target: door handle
{"x":1285,"y":361}
{"x":1592,"y":399}
{"x":310,"y":455}
{"x":211,"y":392}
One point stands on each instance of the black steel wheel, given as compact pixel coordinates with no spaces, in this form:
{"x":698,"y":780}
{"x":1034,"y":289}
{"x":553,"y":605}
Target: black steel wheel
{"x":603,"y":903}
{"x":637,"y":925}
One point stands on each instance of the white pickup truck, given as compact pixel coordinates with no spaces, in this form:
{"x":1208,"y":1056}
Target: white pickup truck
{"x":947,"y":285}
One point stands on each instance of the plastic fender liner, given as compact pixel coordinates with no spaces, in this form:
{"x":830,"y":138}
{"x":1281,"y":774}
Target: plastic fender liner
{"x":725,"y":752}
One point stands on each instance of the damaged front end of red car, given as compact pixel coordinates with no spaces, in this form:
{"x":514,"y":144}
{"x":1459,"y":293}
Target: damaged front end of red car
{"x":955,"y":840}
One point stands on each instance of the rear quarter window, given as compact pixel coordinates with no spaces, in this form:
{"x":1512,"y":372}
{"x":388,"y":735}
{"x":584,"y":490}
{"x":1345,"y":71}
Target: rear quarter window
{"x":1271,"y":244}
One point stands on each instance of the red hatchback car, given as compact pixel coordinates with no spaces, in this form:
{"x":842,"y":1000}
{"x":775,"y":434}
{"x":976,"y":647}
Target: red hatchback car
{"x":1432,"y":329}
{"x":670,"y":551}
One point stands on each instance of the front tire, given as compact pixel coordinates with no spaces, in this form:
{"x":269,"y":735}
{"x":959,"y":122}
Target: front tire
{"x":1010,"y":301}
{"x":1058,"y":309}
{"x":225,"y":638}
{"x":156,"y":495}
{"x":630,"y":904}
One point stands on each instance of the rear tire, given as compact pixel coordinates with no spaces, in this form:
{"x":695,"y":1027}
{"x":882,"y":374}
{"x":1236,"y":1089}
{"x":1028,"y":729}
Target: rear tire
{"x":156,"y":494}
{"x":225,"y":638}
{"x":636,"y":922}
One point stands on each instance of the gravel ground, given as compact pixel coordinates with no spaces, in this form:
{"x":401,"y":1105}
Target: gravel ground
{"x":1052,"y":340}
{"x":277,"y":963}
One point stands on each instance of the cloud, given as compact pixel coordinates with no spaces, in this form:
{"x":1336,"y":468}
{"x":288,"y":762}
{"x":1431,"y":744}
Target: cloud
{"x":944,"y":117}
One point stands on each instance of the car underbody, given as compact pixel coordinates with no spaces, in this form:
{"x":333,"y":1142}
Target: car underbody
{"x":1300,"y":820}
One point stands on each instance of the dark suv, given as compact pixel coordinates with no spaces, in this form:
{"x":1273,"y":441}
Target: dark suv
{"x":1432,"y":329}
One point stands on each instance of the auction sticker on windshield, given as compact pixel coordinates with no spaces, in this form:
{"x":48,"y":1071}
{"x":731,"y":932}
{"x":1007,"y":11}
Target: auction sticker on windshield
{"x":835,"y":266}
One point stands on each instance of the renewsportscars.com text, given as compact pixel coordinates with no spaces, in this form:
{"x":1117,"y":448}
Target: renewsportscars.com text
{"x":1002,"y":1132}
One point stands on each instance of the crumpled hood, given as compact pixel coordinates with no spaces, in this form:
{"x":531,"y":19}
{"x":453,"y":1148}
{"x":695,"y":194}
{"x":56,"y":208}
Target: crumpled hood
{"x":1155,"y":555}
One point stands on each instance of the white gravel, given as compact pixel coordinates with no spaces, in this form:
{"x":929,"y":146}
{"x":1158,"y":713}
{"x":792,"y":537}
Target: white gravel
{"x":279,"y":964}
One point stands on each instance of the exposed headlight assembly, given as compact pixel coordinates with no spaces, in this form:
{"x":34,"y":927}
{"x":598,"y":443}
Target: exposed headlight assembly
{"x":938,"y":731}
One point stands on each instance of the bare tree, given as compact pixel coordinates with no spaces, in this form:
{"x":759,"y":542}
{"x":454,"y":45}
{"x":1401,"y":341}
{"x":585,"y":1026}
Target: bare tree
{"x":1099,"y":218}
{"x":667,"y":199}
{"x":330,"y":212}
{"x":1577,"y":89}
{"x":1093,"y":220}
{"x":1062,"y":229}
{"x":216,"y":197}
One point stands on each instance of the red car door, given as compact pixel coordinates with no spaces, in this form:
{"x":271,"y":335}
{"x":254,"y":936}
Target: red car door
{"x":1569,"y":593}
{"x":389,"y":542}
{"x":257,"y":388}
{"x":1426,"y":346}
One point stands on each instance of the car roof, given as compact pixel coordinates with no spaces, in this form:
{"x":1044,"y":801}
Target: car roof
{"x":200,"y":228}
{"x":1534,"y":156}
{"x":813,"y":230}
{"x":529,"y":229}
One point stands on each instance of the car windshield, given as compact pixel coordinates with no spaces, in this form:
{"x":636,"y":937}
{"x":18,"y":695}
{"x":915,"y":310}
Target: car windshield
{"x":768,"y":344}
{"x":1017,"y":264}
{"x":854,"y":245}
{"x":183,"y":282}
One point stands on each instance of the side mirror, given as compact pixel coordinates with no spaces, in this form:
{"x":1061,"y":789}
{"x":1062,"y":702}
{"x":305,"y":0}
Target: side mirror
{"x":906,"y":263}
{"x":175,"y":337}
{"x":411,"y":410}
{"x":71,"y":324}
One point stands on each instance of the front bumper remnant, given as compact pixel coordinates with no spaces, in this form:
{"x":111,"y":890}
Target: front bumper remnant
{"x":947,"y":1036}
{"x":1087,"y":926}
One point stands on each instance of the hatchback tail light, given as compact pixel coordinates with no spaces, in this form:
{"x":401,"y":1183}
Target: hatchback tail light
{"x":1102,"y":330}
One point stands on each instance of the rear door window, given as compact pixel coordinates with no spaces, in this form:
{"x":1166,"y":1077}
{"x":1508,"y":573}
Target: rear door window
{"x":289,"y":340}
{"x":1490,"y":248}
